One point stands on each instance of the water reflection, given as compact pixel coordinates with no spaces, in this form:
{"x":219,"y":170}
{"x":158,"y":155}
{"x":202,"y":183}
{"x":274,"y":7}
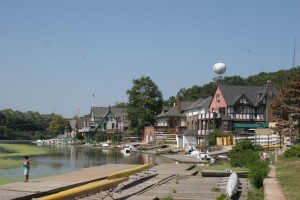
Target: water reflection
{"x":67,"y":158}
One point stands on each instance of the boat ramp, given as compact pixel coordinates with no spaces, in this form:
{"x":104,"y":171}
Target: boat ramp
{"x":179,"y":181}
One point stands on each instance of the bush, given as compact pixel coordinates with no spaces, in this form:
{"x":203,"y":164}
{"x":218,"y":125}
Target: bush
{"x":101,"y":137}
{"x":259,"y":170}
{"x":294,"y":151}
{"x":243,"y":154}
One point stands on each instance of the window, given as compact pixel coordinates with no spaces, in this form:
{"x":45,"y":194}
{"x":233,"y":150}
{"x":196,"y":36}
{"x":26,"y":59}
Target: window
{"x":218,"y":97}
{"x":113,"y":125}
{"x":222,"y":110}
{"x":243,"y":101}
{"x":104,"y":126}
{"x":260,"y":109}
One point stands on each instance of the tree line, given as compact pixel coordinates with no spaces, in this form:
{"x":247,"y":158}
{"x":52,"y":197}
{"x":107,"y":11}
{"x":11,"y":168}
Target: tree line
{"x":30,"y":125}
{"x":145,"y":101}
{"x":279,"y":79}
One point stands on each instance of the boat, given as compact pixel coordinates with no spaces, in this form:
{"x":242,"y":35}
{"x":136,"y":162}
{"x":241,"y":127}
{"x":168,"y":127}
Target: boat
{"x":126,"y":150}
{"x":232,"y":185}
{"x":40,"y":141}
{"x":225,"y":173}
{"x":200,"y":155}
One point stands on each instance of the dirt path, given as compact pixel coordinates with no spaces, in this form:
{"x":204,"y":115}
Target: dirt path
{"x":272,"y":188}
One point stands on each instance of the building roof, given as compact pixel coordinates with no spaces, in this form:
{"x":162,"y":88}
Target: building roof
{"x":73,"y":123}
{"x":200,"y":103}
{"x":227,"y":118}
{"x":254,"y":94}
{"x":173,"y":111}
{"x":102,"y":111}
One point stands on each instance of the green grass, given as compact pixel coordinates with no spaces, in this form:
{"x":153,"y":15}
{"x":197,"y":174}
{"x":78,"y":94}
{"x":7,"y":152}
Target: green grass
{"x":220,"y":167}
{"x":256,"y":194}
{"x":16,"y":157}
{"x":288,"y":173}
{"x":21,"y":150}
{"x":17,"y":151}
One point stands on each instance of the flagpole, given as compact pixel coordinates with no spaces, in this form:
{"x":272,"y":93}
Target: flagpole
{"x":294,"y":52}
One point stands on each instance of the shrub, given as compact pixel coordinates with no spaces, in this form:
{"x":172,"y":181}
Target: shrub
{"x":294,"y":151}
{"x":258,"y":172}
{"x":243,"y":154}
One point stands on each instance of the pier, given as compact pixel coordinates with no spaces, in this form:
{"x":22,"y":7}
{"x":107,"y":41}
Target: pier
{"x":179,"y":181}
{"x":53,"y":184}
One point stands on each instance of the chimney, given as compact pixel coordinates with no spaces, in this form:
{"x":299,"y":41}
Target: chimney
{"x":179,"y":105}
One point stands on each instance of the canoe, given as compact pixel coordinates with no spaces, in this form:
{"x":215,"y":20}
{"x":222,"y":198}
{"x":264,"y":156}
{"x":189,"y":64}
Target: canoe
{"x":232,"y":185}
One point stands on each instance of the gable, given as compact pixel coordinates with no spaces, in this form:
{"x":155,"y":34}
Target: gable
{"x":217,"y":101}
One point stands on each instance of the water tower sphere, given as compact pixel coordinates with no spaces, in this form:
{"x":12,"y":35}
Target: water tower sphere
{"x":219,"y":68}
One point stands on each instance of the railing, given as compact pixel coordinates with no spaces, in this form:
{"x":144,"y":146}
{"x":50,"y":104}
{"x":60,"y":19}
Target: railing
{"x":210,"y":115}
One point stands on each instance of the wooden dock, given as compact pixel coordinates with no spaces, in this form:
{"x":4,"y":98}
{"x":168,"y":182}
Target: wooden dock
{"x":178,"y":181}
{"x":53,"y":184}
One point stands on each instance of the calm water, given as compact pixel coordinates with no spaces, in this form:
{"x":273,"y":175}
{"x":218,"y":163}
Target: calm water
{"x":67,"y":158}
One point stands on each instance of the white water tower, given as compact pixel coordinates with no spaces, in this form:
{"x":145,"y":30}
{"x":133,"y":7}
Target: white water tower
{"x":219,"y":68}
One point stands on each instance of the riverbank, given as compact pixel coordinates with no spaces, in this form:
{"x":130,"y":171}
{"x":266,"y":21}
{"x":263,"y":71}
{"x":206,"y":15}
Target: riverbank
{"x":12,"y":155}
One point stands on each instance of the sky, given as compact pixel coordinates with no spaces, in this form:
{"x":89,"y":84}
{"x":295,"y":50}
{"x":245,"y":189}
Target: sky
{"x":55,"y":54}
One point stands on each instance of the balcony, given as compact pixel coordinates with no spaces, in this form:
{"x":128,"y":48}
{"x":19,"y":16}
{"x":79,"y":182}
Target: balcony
{"x":209,"y":116}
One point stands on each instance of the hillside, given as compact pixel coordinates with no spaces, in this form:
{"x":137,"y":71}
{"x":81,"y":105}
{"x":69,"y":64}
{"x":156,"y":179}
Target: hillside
{"x":278,"y":78}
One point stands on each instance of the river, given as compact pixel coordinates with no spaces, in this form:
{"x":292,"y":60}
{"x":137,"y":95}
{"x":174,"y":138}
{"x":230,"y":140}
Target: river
{"x":67,"y":158}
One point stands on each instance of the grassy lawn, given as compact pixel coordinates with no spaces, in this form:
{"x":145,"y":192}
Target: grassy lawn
{"x":288,"y":173}
{"x":220,"y":167}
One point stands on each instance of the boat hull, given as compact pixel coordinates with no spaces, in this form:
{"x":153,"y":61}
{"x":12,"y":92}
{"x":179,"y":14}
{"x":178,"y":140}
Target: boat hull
{"x":232,"y":185}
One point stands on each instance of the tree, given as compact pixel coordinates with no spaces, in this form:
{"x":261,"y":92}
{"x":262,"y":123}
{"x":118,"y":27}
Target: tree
{"x":286,"y":107}
{"x":119,"y":105}
{"x":145,"y":101}
{"x":170,"y":102}
{"x":57,"y":125}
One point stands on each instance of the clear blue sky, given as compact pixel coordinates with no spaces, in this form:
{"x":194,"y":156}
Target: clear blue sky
{"x":54,"y":54}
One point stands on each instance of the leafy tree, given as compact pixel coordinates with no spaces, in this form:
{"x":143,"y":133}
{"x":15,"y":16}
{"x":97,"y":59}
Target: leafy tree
{"x":57,"y":125}
{"x":287,"y":105}
{"x":119,"y":105}
{"x":212,"y":135}
{"x":233,"y":80}
{"x":170,"y":102}
{"x":144,"y":103}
